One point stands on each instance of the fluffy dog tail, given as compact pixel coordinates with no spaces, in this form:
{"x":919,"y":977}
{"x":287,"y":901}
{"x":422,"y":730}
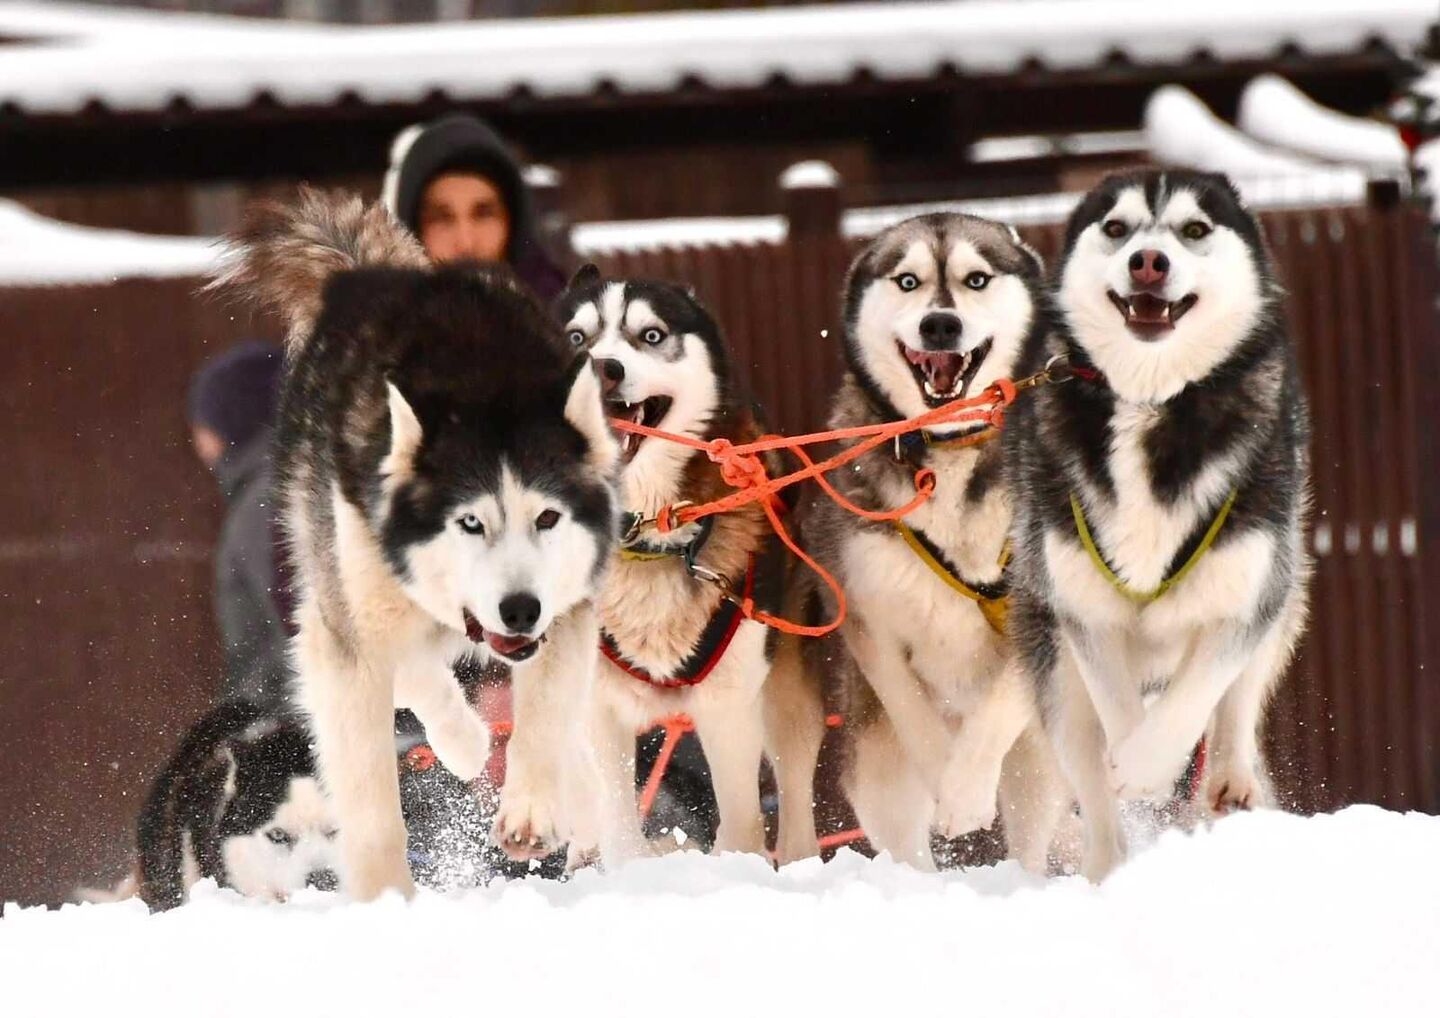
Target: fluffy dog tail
{"x":163,"y":819}
{"x":284,"y":254}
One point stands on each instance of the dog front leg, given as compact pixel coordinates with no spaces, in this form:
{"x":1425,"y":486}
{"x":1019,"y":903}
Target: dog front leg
{"x":971,"y":780}
{"x":794,"y":732}
{"x":351,"y":704}
{"x":457,"y":734}
{"x":1147,"y":761}
{"x":1079,"y":740}
{"x":621,"y":835}
{"x":551,"y":694}
{"x":732,"y":733}
{"x":921,"y":730}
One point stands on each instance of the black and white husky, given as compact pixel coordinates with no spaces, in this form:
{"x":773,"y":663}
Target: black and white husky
{"x":1160,"y":499}
{"x":445,"y":478}
{"x":938,"y":714}
{"x":238,"y":803}
{"x":671,"y":642}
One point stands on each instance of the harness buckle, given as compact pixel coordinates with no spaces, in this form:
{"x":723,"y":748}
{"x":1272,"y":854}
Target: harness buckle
{"x":719,"y":581}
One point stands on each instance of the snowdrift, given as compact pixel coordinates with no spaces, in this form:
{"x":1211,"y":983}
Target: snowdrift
{"x":1265,"y":914}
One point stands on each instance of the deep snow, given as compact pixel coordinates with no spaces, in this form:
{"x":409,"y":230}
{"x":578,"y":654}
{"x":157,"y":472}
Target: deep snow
{"x":1266,"y":914}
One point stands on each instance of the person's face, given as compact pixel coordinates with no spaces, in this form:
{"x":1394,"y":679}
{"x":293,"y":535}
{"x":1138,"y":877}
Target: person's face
{"x":462,"y":216}
{"x":209,"y":446}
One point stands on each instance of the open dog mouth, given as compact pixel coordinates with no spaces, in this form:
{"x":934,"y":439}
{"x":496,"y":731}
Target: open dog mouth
{"x":512,"y":648}
{"x":649,"y":412}
{"x":946,"y":375}
{"x":1148,"y":315}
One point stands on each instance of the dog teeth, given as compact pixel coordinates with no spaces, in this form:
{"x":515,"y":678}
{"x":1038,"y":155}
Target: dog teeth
{"x":1165,"y":313}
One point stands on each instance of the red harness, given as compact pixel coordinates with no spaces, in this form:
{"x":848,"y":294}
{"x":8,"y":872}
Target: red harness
{"x":714,"y":641}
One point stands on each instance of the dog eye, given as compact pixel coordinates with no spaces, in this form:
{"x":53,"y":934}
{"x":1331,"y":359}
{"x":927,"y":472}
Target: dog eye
{"x":1115,"y":229}
{"x":330,"y":832}
{"x":907,"y":281}
{"x":470,"y":523}
{"x":576,"y":337}
{"x":277,"y":836}
{"x":1195,"y":230}
{"x":978,"y":280}
{"x":547,"y":519}
{"x":653,"y":336}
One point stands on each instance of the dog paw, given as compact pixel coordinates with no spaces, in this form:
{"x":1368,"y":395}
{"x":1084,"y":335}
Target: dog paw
{"x":525,"y":827}
{"x":1233,"y":789}
{"x":965,"y":806}
{"x":1143,"y":767}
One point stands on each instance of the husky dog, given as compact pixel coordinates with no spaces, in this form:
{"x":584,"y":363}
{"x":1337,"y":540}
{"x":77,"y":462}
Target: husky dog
{"x":935,"y":309}
{"x":444,"y":473}
{"x":238,"y":803}
{"x":1160,"y":499}
{"x":671,"y":643}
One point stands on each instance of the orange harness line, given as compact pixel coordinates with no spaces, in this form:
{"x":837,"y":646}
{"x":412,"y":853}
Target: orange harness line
{"x":742,"y":469}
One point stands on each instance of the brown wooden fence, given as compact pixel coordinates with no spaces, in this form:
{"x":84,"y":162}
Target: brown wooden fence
{"x":107,"y":647}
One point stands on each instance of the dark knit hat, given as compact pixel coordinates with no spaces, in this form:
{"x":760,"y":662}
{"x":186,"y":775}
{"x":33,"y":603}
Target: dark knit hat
{"x":456,"y":143}
{"x":235,"y":393}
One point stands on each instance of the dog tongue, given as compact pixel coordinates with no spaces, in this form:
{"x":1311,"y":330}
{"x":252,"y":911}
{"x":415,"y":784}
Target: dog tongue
{"x":506,"y":644}
{"x":1149,"y":309}
{"x":941,"y":369}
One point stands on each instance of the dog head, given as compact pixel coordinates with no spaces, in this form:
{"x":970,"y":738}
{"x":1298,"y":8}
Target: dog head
{"x":495,"y":503}
{"x":276,"y":831}
{"x":1164,"y":275}
{"x":936,"y":308}
{"x":659,"y":358}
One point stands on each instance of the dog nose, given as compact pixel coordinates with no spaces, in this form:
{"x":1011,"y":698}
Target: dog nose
{"x":612,"y":373}
{"x":520,"y":612}
{"x":1148,"y":267}
{"x":322,"y":880}
{"x":940,"y":330}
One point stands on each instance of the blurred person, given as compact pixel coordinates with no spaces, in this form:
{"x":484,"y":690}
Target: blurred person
{"x":454,"y":184}
{"x":231,"y":411}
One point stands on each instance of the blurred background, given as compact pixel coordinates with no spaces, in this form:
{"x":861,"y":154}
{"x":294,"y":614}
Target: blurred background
{"x":749,"y":150}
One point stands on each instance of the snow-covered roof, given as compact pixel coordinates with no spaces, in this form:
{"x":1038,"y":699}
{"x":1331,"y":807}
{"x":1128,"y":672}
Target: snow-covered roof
{"x":1181,"y":130}
{"x":35,"y":251}
{"x":226,"y":63}
{"x":1276,"y":112}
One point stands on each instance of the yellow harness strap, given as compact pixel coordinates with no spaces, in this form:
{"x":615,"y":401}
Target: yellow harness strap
{"x":1083,"y":529}
{"x":995,"y":609}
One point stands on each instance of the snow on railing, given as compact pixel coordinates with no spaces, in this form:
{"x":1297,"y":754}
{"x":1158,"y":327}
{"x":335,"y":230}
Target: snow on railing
{"x":36,"y":251}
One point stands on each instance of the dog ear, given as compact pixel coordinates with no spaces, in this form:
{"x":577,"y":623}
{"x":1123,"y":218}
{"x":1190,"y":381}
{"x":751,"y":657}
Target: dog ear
{"x":585,"y":275}
{"x":405,"y":437}
{"x":586,"y":414}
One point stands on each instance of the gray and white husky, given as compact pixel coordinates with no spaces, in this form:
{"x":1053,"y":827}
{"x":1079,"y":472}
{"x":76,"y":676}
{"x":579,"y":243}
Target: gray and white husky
{"x":672,"y":643}
{"x":1160,"y":499}
{"x":939,"y":717}
{"x":445,"y":477}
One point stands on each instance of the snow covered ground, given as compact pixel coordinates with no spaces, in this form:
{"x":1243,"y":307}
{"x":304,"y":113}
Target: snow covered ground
{"x":1266,"y":914}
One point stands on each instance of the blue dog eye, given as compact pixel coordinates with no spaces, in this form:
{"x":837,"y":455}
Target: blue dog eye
{"x":470,"y":523}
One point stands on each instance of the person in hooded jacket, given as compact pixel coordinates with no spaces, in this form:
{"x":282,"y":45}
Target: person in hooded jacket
{"x":231,"y":411}
{"x":455,"y":185}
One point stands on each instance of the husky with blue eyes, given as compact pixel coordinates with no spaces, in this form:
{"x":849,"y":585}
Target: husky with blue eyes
{"x":445,"y":476}
{"x":672,"y":641}
{"x":1161,"y":497}
{"x":941,"y":728}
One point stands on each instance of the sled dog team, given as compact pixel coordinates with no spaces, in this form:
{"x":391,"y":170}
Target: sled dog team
{"x":1116,"y":575}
